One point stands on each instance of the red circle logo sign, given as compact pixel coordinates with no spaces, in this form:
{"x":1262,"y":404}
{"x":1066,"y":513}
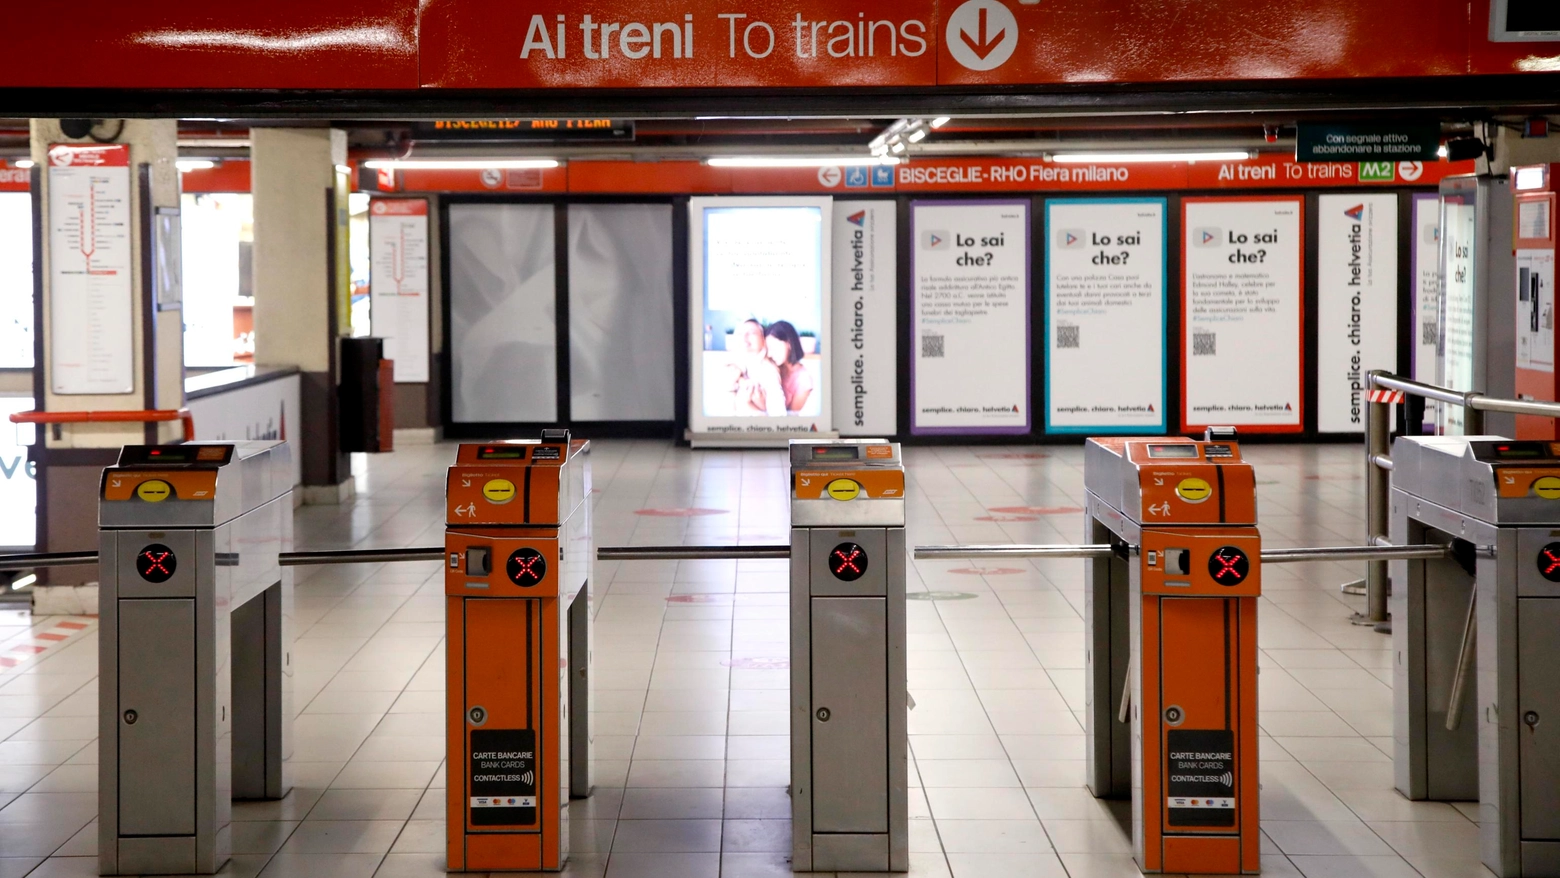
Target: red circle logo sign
{"x":680,"y":511}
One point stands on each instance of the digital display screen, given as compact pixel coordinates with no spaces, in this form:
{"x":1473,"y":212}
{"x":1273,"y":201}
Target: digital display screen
{"x":1519,"y":452}
{"x":501,"y":452}
{"x":833,"y":452}
{"x":175,"y":454}
{"x":1183,"y":452}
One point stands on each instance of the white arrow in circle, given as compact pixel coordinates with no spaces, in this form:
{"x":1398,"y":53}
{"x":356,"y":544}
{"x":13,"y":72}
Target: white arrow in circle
{"x":982,"y":34}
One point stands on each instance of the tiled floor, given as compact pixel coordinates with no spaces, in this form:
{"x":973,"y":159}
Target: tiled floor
{"x":690,"y":711}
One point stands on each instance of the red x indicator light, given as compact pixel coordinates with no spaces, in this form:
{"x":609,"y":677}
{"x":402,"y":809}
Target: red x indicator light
{"x":1229,"y":565}
{"x":526,"y":567}
{"x":848,"y":562}
{"x":1549,"y":562}
{"x":156,"y":563}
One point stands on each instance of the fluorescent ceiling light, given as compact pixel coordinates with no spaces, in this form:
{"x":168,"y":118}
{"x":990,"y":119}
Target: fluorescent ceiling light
{"x":918,"y":135}
{"x":24,"y":164}
{"x":195,"y":164}
{"x":1123,"y":157}
{"x":457,"y":164}
{"x":940,"y":121}
{"x":799,"y":161}
{"x":344,"y":169}
{"x":25,"y":581}
{"x":898,"y":147}
{"x":1439,"y":151}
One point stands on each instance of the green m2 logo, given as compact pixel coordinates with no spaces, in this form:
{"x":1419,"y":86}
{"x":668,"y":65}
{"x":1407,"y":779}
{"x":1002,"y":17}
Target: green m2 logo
{"x":1377,"y":172}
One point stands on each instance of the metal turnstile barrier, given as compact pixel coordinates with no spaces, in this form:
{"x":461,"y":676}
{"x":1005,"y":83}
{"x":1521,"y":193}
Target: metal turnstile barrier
{"x":1171,"y":622}
{"x":1483,"y":619}
{"x":849,"y":736}
{"x":517,"y":581}
{"x":194,"y":649}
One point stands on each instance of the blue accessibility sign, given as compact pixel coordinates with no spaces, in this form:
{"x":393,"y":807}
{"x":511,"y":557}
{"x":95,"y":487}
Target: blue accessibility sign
{"x":856,"y":177}
{"x":882,"y":175}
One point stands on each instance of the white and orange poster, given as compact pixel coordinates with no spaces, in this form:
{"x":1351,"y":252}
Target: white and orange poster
{"x":398,"y":283}
{"x":91,"y":290}
{"x":1242,"y":317}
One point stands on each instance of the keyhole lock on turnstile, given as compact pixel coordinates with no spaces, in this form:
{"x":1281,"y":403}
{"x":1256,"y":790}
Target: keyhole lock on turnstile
{"x":1531,"y":718}
{"x":823,"y":714}
{"x":130,"y":717}
{"x":477,"y":715}
{"x":1174,"y":715}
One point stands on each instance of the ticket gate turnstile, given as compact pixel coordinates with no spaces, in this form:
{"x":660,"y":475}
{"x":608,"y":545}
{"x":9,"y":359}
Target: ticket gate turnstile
{"x":1171,"y":616}
{"x":194,"y":649}
{"x":849,"y":744}
{"x":1494,"y":501}
{"x":517,"y":586}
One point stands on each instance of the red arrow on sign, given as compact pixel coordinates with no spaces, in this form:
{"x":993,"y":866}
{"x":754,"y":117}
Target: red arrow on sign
{"x":988,"y":41}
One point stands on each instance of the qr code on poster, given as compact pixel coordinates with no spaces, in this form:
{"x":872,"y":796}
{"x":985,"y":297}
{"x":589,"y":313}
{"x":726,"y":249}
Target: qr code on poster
{"x":931,"y":346}
{"x":1429,"y":333}
{"x":1205,"y":344}
{"x":1066,"y":337}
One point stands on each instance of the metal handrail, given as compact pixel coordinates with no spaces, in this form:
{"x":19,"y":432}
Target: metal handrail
{"x":118,"y":416}
{"x":690,"y":553}
{"x":1378,"y":462}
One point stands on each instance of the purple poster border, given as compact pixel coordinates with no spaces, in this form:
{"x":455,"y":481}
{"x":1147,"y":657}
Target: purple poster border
{"x":915,"y":320}
{"x":1421,"y":201}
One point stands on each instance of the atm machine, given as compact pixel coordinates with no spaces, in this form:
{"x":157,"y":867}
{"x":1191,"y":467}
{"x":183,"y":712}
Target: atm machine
{"x":517,"y":620}
{"x":1476,"y":686}
{"x":1171,"y":616}
{"x":849,"y":744}
{"x":1533,"y":234}
{"x":194,"y":649}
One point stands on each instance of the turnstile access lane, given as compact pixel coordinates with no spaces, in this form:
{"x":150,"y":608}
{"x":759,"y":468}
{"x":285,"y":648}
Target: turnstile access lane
{"x":517,"y":586}
{"x":1493,"y":605}
{"x":1171,"y":621}
{"x":849,"y":744}
{"x":194,"y":649}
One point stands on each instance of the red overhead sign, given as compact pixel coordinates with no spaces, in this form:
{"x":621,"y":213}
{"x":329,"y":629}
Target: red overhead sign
{"x":632,"y":44}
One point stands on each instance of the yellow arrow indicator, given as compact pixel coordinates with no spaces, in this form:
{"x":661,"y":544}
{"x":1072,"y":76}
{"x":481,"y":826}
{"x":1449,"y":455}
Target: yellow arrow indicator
{"x":1193,"y":490}
{"x":843,"y":489}
{"x":499,"y":491}
{"x":154,"y":490}
{"x":1547,"y":487}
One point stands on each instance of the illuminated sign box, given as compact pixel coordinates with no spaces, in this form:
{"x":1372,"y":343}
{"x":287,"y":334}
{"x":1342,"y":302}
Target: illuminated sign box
{"x":545,"y":130}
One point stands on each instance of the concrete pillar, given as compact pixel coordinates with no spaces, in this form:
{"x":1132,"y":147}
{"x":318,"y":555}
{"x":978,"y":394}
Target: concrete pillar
{"x":301,"y":278}
{"x":70,"y":457}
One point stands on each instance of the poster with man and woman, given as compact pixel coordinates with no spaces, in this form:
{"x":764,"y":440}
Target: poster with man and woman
{"x":759,"y":269}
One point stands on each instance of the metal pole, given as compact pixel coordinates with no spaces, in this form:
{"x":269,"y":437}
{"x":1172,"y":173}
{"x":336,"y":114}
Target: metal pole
{"x":36,"y":560}
{"x":1374,"y":554}
{"x":1377,"y":484}
{"x":360,"y":556}
{"x":929,"y":553}
{"x":690,"y":553}
{"x":1473,"y":413}
{"x":1464,"y":663}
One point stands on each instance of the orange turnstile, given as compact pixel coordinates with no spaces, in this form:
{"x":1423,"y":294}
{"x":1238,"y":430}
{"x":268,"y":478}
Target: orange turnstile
{"x":1171,"y":622}
{"x":517,"y":584}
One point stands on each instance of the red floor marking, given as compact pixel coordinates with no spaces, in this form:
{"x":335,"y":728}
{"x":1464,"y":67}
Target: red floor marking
{"x":987,"y":571}
{"x":72,"y":626}
{"x":699,"y":599}
{"x":1037,"y":510}
{"x":50,"y":635}
{"x":8,"y":662}
{"x":32,"y":649}
{"x":681,"y":511}
{"x":43,"y":641}
{"x":1016,"y":455}
{"x":1006,"y":518}
{"x":757,"y":664}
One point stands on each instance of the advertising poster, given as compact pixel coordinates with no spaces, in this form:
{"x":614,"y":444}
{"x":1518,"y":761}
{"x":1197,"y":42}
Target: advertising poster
{"x":866,"y":370}
{"x":398,"y":283}
{"x":1459,"y":215}
{"x":1357,"y":289}
{"x":970,"y":317}
{"x":1242,"y":313}
{"x":1536,"y":310}
{"x":1105,"y":315}
{"x":91,"y":334}
{"x":1426,"y":293}
{"x":760,"y":273}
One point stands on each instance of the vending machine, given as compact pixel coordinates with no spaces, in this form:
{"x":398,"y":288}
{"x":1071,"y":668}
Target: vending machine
{"x":1533,"y":245}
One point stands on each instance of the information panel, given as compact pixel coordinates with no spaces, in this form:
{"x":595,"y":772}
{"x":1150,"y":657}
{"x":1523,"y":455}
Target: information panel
{"x":970,"y":318}
{"x":1426,"y":293}
{"x":1242,"y":313}
{"x":91,"y":326}
{"x":1455,"y":369}
{"x":1105,"y":315}
{"x":866,"y":369}
{"x":760,"y":276}
{"x":398,"y":283}
{"x":1357,"y":289}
